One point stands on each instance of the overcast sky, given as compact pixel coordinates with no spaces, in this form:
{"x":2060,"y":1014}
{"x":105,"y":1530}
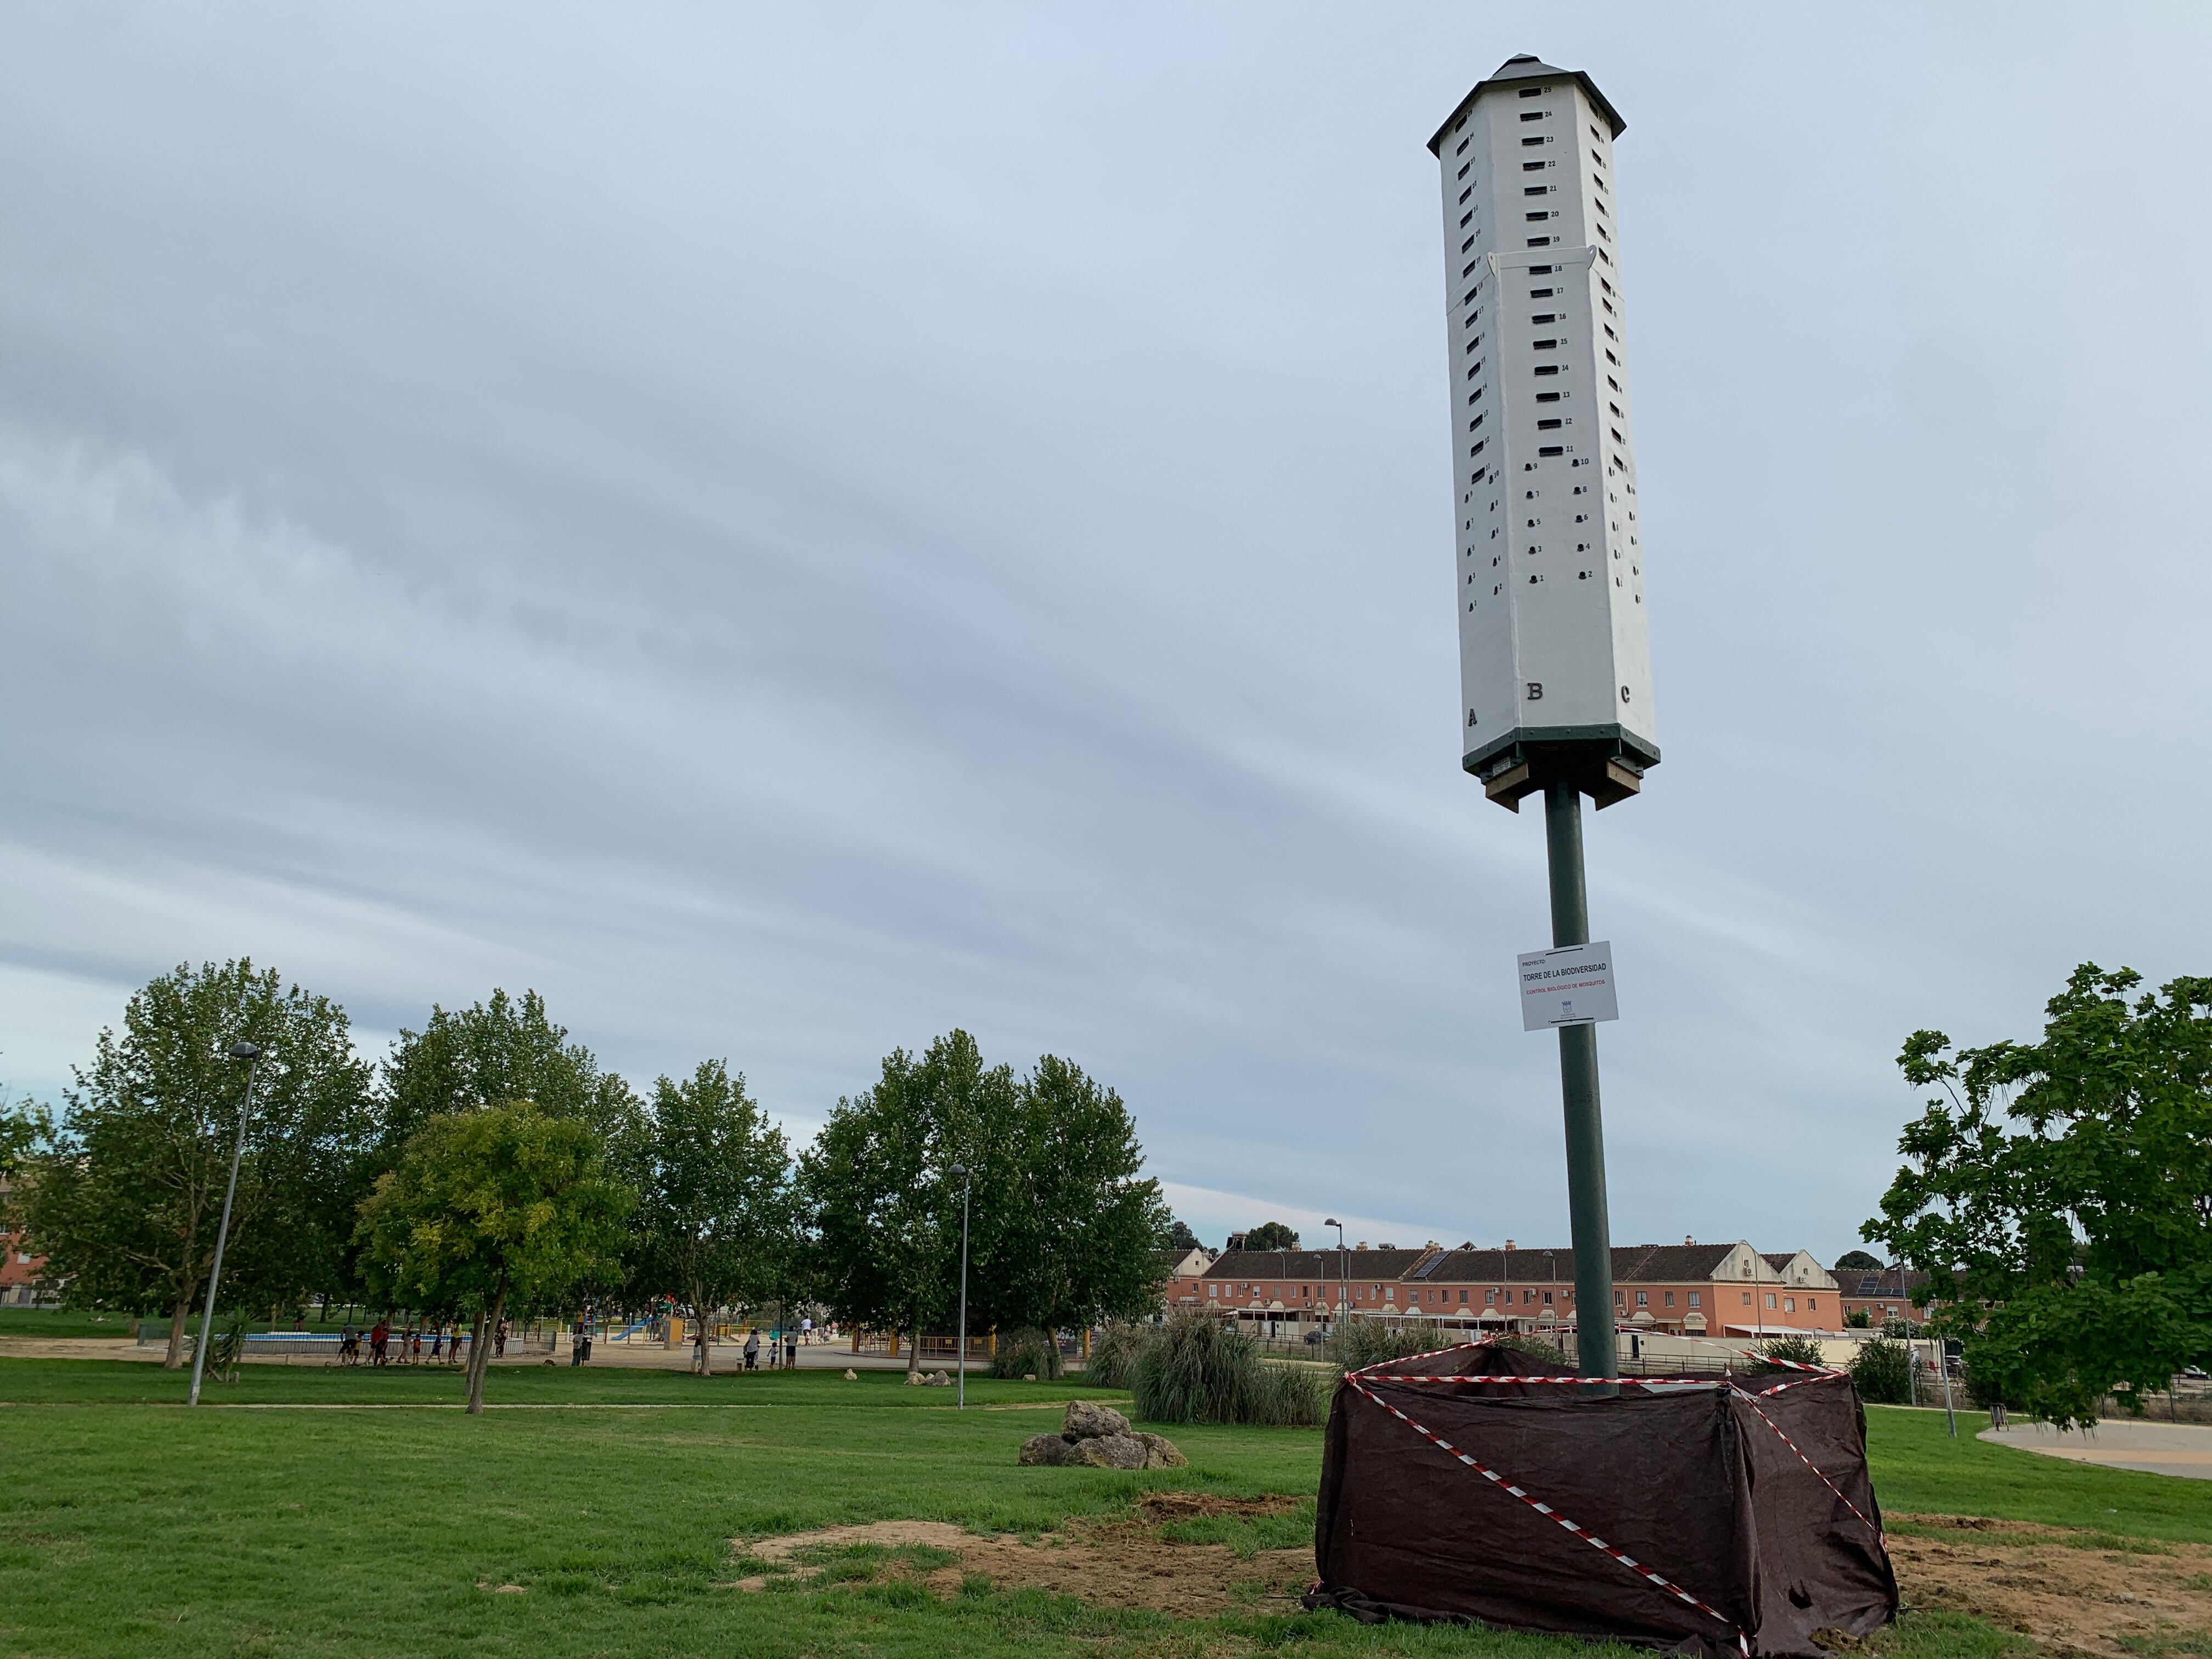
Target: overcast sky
{"x":790,"y":535}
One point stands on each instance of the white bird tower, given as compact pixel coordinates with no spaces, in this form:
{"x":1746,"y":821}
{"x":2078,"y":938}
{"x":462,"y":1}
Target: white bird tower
{"x":1555,"y":673}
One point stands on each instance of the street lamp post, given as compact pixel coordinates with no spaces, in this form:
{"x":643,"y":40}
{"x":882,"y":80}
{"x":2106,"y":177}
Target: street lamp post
{"x":1332,"y":1221}
{"x":960,"y":1359}
{"x":252,"y":1055}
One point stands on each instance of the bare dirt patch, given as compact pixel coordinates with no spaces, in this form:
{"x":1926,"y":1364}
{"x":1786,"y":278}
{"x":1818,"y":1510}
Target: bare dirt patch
{"x":2072,"y":1591}
{"x":1122,"y":1563}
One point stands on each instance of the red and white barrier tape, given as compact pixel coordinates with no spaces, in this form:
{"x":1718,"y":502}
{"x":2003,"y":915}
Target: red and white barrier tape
{"x":1743,"y":1641}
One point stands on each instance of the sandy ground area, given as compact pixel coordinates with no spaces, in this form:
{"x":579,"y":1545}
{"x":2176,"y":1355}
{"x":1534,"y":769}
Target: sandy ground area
{"x":642,"y":1356}
{"x":2073,"y":1592}
{"x":1109,"y":1563}
{"x":2176,"y":1448}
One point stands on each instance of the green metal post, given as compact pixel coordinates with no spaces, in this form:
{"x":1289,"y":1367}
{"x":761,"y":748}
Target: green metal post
{"x":1597,"y":1353}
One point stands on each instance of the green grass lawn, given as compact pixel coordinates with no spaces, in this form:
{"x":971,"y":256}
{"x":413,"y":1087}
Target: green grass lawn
{"x":129,"y":1526}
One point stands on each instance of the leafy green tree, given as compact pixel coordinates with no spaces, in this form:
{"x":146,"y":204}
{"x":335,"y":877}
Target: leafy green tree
{"x":506,"y":1049}
{"x":2059,"y":1195}
{"x":127,"y":1201}
{"x":1064,"y":1226}
{"x":1271,"y":1236}
{"x":717,"y":1216}
{"x":1179,"y":1236}
{"x":882,"y":1206}
{"x":505,"y":1201}
{"x":1074,"y":1245}
{"x":1856,"y":1261}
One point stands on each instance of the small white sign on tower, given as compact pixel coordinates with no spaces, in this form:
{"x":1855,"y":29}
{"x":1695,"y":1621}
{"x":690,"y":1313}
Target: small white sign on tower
{"x":1570,"y":986}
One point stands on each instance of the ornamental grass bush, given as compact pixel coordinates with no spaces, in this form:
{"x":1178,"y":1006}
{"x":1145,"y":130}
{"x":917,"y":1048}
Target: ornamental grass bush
{"x":1198,"y":1370}
{"x":1028,"y":1352}
{"x":1359,"y":1343}
{"x":1113,"y":1351}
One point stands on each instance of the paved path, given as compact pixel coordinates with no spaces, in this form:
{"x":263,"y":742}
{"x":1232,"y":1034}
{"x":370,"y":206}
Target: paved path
{"x":2176,"y":1448}
{"x":638,"y":1356}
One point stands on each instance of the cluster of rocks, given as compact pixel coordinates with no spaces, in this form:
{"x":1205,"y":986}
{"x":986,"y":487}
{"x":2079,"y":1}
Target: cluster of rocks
{"x":928,"y":1380}
{"x":1096,"y":1436}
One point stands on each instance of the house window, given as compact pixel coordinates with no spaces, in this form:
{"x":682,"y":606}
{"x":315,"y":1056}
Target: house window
{"x":1811,"y":1304}
{"x":1644,"y":1299}
{"x":1670,"y":1299}
{"x":1490,"y":1296}
{"x":1746,"y":1298}
{"x":1694,"y":1298}
{"x":1790,"y":1304}
{"x":1770,"y":1300}
{"x":1462,"y":1296}
{"x":1548,"y":1298}
{"x":1526,"y":1297}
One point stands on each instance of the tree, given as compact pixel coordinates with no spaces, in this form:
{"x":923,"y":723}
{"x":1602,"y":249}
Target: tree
{"x":2059,"y":1196}
{"x":1075,"y":1244}
{"x":509,"y":1049}
{"x":1179,"y":1236}
{"x":1856,"y":1261}
{"x":882,"y":1206}
{"x":127,"y":1201}
{"x":503,"y":1201}
{"x":1271,"y":1236}
{"x":716,"y":1215}
{"x":505,"y":1049}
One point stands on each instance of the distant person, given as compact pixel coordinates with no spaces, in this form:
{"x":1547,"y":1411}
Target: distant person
{"x":752,"y":1348}
{"x":437,"y":1341}
{"x":807,"y":1330}
{"x":378,"y":1335}
{"x":699,"y":1350}
{"x":499,"y":1341}
{"x":415,"y":1346}
{"x":790,"y":1349}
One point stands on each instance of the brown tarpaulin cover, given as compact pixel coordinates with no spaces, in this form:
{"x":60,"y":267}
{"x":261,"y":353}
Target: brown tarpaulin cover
{"x":1690,"y":1481}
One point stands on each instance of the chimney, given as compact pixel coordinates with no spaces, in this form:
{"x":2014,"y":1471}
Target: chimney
{"x":1509,"y":1243}
{"x":1689,"y":1238}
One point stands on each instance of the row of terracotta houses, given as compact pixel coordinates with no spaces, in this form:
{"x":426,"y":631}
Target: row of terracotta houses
{"x":1687,"y":1289}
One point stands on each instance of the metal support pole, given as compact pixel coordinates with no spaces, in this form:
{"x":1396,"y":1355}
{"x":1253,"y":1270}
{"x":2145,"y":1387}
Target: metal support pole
{"x":1597,"y":1351}
{"x":962,"y":1361}
{"x":251,"y":1056}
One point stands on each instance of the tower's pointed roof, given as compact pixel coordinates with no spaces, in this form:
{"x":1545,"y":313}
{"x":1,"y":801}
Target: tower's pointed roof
{"x":1527,"y":66}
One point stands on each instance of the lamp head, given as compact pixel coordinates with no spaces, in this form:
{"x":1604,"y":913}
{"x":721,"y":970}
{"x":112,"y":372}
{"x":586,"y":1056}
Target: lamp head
{"x":245,"y":1051}
{"x":958,"y":1169}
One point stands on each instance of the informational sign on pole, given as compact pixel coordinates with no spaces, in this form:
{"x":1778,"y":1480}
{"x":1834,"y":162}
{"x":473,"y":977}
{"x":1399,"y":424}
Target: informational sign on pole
{"x":1570,"y":986}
